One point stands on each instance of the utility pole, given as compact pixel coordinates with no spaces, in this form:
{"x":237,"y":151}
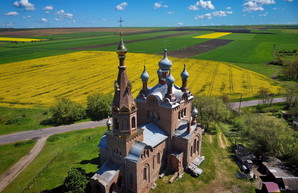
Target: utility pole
{"x":120,"y":22}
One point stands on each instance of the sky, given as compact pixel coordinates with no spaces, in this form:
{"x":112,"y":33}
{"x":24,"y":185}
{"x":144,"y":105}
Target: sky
{"x":145,"y":13}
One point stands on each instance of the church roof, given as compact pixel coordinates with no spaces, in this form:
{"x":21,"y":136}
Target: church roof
{"x":135,"y":151}
{"x":103,"y":142}
{"x":153,"y":134}
{"x":181,"y":131}
{"x":107,"y":172}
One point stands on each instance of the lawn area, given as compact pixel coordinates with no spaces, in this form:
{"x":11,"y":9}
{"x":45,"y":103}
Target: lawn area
{"x":12,"y":153}
{"x":16,"y":120}
{"x":61,"y":152}
{"x":75,"y":149}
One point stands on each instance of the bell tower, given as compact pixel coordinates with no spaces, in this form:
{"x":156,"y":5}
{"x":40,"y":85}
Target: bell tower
{"x":124,"y":109}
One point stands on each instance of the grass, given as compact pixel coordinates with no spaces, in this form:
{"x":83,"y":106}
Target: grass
{"x":16,"y":120}
{"x":12,"y":153}
{"x":75,"y":149}
{"x":61,"y":152}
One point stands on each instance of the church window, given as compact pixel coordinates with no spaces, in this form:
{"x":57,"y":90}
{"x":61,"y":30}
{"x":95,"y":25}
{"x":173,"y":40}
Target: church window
{"x":195,"y":145}
{"x":116,"y":124}
{"x":153,"y":162}
{"x":158,"y":158}
{"x":133,"y":122}
{"x":198,"y":145}
{"x":184,"y":111}
{"x":191,"y":149}
{"x":145,"y":173}
{"x":130,"y":178}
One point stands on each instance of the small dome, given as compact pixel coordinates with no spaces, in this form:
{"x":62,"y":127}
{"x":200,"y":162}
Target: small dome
{"x":109,"y":123}
{"x":145,"y":75}
{"x":170,"y":79}
{"x":159,"y":72}
{"x":194,"y":112}
{"x":121,"y":47}
{"x":184,"y":74}
{"x":165,"y":63}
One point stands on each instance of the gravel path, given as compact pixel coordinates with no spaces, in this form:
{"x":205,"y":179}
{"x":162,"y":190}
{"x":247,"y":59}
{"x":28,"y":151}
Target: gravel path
{"x":235,"y":105}
{"x":15,"y":170}
{"x":33,"y":134}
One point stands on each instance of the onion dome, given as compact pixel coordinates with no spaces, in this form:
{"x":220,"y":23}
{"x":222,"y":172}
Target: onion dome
{"x":165,"y":63}
{"x":109,"y":123}
{"x":159,"y":72}
{"x":145,"y":75}
{"x":194,"y":112}
{"x":121,"y":47}
{"x":184,"y":74}
{"x":170,"y":79}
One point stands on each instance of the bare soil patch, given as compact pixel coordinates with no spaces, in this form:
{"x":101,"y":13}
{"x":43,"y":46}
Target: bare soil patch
{"x":131,"y":41}
{"x":199,"y":48}
{"x":55,"y":31}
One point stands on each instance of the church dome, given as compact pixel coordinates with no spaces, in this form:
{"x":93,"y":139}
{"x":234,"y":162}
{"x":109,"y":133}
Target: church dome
{"x":194,"y":112}
{"x":184,"y":74}
{"x":145,"y":75}
{"x":159,"y":72}
{"x":170,"y":79}
{"x":165,"y":63}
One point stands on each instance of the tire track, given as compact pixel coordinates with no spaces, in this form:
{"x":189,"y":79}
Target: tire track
{"x":213,"y":79}
{"x":231,"y":79}
{"x":249,"y":82}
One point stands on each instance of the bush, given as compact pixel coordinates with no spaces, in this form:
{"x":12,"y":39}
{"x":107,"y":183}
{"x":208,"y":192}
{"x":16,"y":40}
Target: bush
{"x":99,"y":106}
{"x":66,"y":111}
{"x":76,"y":180}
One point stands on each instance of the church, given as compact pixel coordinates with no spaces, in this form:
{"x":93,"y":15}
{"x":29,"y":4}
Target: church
{"x":149,"y":136}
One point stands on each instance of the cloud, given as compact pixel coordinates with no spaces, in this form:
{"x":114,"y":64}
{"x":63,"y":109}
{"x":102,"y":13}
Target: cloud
{"x":44,"y":20}
{"x":265,"y":2}
{"x":252,"y":6}
{"x":289,"y":0}
{"x":228,"y":8}
{"x":180,"y":23}
{"x":26,"y":17}
{"x":171,"y":12}
{"x":61,"y":15}
{"x":159,"y":5}
{"x":121,"y":6}
{"x":48,"y":8}
{"x":24,"y":4}
{"x":264,"y":14}
{"x":203,"y":4}
{"x":213,"y":14}
{"x":12,"y":13}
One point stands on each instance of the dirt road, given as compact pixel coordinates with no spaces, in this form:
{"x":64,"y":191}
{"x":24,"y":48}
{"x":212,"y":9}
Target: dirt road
{"x":15,"y":170}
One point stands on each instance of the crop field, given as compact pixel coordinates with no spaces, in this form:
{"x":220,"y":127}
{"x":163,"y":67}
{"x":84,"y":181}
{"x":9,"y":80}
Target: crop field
{"x":38,"y":82}
{"x":213,"y":35}
{"x":8,"y":39}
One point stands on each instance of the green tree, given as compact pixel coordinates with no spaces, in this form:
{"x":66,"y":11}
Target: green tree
{"x":211,"y":109}
{"x":76,"y":180}
{"x":291,"y":68}
{"x":267,"y":134}
{"x":66,"y":111}
{"x":99,"y":106}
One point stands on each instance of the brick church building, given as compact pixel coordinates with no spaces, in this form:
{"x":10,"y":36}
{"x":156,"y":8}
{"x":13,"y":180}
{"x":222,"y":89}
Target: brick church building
{"x":155,"y":133}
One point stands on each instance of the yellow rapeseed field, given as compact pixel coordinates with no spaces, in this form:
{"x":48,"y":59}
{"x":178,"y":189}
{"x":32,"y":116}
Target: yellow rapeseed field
{"x":7,"y":39}
{"x":213,"y":35}
{"x":38,"y":82}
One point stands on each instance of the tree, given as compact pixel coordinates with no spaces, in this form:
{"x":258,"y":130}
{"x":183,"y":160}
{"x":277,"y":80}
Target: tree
{"x":291,"y":68}
{"x":264,"y":94}
{"x":66,"y":111}
{"x":211,"y":109}
{"x":99,"y":106}
{"x":267,"y":134}
{"x":76,"y":180}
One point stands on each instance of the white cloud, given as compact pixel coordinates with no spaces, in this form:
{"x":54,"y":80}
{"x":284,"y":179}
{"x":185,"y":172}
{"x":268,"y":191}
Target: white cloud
{"x":289,"y":0}
{"x":203,"y":4}
{"x":171,"y":12}
{"x":44,"y":20}
{"x":61,"y":15}
{"x":103,"y":19}
{"x":26,"y":17}
{"x":12,"y":13}
{"x":265,"y":2}
{"x":180,"y":23}
{"x":228,"y":8}
{"x":48,"y":8}
{"x":252,"y":6}
{"x":24,"y":4}
{"x":213,"y":14}
{"x":159,"y":5}
{"x":264,"y":14}
{"x":121,"y":6}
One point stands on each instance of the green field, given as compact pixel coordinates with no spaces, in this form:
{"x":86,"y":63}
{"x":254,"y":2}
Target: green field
{"x":12,"y":153}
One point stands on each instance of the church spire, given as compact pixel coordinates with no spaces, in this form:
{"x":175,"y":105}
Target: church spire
{"x":124,"y":108}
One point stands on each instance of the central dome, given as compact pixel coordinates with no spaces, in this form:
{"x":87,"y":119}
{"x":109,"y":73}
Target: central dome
{"x":165,"y":63}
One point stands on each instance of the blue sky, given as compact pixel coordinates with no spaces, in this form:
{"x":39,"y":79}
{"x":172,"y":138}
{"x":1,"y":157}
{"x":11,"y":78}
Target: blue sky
{"x":145,"y":13}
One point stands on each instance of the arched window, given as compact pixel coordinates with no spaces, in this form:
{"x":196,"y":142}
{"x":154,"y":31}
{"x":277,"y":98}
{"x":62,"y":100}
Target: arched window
{"x":191,"y":151}
{"x":198,"y":145}
{"x":158,"y":158}
{"x":153,"y":162}
{"x":116,"y":124}
{"x":195,"y":145}
{"x":133,"y":122}
{"x":145,"y":173}
{"x":184,"y":112}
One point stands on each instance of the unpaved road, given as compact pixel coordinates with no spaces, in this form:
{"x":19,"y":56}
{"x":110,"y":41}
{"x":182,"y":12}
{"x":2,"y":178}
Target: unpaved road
{"x":15,"y":170}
